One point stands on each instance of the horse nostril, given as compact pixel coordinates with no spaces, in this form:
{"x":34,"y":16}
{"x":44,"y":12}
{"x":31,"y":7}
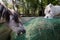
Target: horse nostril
{"x":21,"y":32}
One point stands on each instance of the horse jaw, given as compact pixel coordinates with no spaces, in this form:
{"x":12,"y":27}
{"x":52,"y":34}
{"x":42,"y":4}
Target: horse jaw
{"x":48,"y":16}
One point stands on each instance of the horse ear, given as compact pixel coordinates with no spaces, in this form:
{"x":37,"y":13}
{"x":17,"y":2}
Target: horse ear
{"x":50,"y":5}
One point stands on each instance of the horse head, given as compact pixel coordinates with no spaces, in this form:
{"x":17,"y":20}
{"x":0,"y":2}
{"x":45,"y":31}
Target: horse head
{"x":13,"y":22}
{"x":48,"y":11}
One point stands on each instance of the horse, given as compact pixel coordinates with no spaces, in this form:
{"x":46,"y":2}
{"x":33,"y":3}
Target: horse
{"x":52,"y":11}
{"x":12,"y":20}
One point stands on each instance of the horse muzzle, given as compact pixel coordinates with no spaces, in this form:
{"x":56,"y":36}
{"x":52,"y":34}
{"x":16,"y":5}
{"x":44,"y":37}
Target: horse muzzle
{"x":21,"y":32}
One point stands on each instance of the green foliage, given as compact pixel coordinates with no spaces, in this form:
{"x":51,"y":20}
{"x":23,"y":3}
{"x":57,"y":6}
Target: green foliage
{"x":34,"y":5}
{"x":5,"y":2}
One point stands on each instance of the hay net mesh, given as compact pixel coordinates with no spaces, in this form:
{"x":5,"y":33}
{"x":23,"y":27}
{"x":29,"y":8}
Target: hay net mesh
{"x":42,"y":29}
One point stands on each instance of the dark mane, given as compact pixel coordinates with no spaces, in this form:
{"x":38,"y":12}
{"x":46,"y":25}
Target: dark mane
{"x":6,"y":14}
{"x":1,"y":9}
{"x":16,"y":19}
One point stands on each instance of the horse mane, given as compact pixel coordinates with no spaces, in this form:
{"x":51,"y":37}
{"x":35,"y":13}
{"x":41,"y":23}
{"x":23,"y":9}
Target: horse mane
{"x":16,"y":18}
{"x":2,"y":8}
{"x":6,"y":14}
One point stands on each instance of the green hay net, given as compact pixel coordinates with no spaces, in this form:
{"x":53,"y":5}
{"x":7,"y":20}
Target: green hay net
{"x":41,"y":29}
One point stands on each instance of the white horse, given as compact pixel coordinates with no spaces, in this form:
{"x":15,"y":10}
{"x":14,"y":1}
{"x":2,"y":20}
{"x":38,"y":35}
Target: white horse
{"x":51,"y":11}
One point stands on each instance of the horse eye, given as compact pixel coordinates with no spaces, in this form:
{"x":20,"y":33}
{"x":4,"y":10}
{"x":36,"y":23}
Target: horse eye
{"x":47,"y":16}
{"x":49,"y":11}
